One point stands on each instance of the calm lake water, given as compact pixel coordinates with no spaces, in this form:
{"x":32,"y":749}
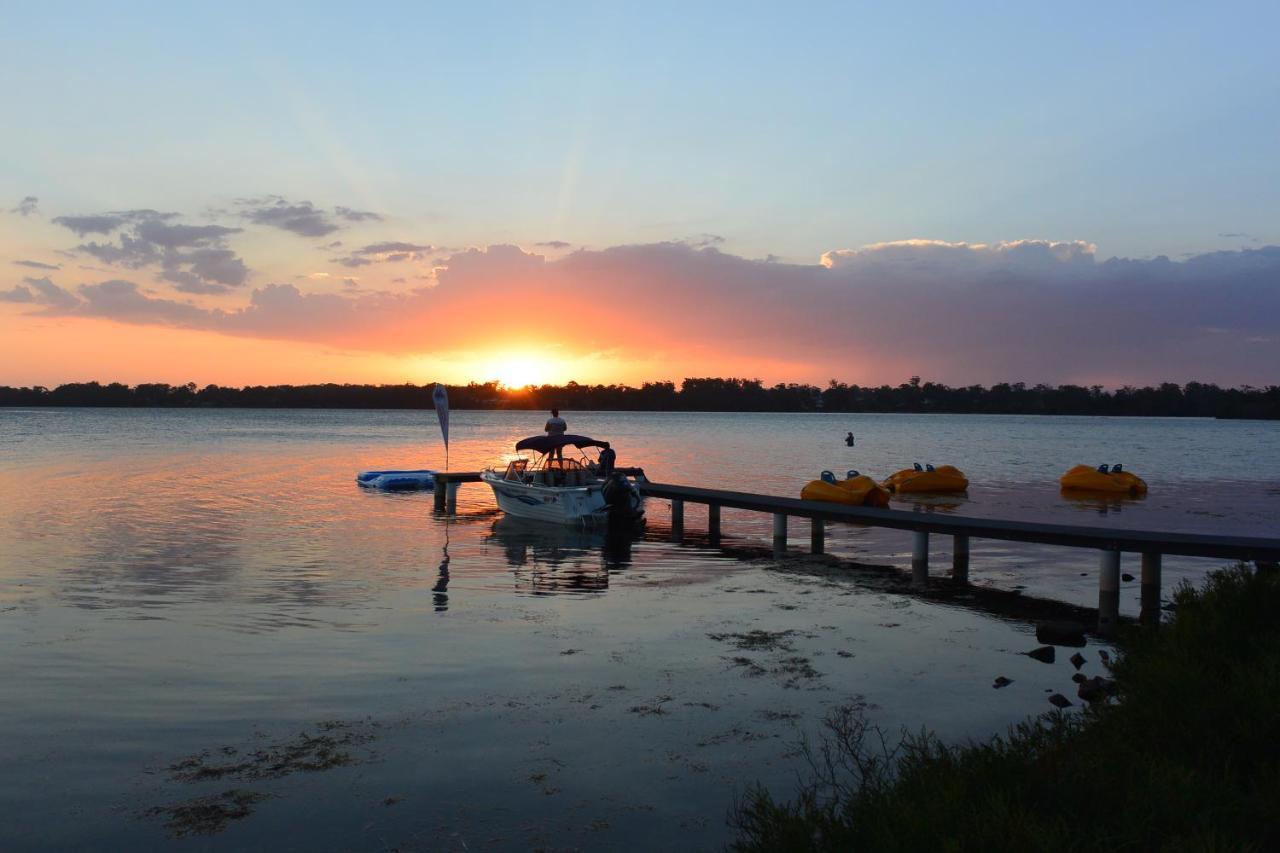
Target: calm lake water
{"x":197,"y":603}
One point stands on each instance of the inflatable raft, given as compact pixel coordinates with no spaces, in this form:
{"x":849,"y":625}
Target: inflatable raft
{"x":917,"y":480}
{"x":397,"y":480}
{"x":1100,"y":480}
{"x":855,"y":490}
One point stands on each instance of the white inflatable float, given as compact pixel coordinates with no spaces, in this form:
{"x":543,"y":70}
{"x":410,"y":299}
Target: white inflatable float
{"x":397,"y":480}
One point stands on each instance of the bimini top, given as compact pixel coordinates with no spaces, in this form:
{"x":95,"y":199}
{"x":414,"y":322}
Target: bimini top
{"x":548,"y":443}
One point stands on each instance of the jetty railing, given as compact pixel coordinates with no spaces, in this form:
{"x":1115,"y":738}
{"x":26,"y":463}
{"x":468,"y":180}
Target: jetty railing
{"x":1151,"y":545}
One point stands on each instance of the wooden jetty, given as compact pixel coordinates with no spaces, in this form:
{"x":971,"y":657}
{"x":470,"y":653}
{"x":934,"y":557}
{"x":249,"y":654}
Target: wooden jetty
{"x":1152,"y":546}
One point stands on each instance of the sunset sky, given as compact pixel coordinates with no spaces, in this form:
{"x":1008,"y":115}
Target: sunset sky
{"x":265,"y":193}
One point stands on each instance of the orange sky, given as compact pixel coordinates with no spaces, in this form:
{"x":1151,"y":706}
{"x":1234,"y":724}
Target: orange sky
{"x":260,"y":297}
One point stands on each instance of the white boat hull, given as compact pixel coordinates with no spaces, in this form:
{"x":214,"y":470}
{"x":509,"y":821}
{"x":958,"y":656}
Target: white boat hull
{"x":562,"y":505}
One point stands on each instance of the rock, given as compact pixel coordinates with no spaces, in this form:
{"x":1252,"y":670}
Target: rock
{"x":1060,"y":633}
{"x":1077,"y":660}
{"x":1126,"y":577}
{"x":1044,"y":654}
{"x":1079,"y":677}
{"x":1096,"y":689}
{"x":1001,"y":681}
{"x":1060,"y":701}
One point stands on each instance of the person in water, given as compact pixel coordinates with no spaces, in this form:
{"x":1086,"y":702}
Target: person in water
{"x":556,"y":426}
{"x":848,"y":439}
{"x":608,"y":456}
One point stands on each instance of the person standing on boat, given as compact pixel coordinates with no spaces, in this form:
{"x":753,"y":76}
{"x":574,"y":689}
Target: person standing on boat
{"x":608,"y":456}
{"x":556,"y":426}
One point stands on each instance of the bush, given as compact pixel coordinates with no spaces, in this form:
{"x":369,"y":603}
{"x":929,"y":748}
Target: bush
{"x":1186,"y":758}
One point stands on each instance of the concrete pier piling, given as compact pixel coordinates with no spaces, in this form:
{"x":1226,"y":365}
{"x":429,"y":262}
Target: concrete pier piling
{"x":779,"y":533}
{"x":920,"y":556}
{"x":1109,"y":594}
{"x":960,"y":558}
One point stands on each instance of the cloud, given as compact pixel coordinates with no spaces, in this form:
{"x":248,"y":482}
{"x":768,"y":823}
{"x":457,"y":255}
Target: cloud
{"x":702,"y":241}
{"x":553,"y":244}
{"x":357,"y":215}
{"x":1030,"y":310}
{"x":29,"y":205}
{"x":388,"y":252}
{"x":194,"y":258}
{"x":302,"y":218}
{"x":38,"y":265}
{"x":43,"y":292}
{"x":105,"y":223}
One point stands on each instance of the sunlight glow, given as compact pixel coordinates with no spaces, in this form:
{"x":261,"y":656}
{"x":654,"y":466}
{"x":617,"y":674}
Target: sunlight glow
{"x":516,"y":370}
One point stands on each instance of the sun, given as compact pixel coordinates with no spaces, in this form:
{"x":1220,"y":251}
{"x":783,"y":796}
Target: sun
{"x":516,"y":370}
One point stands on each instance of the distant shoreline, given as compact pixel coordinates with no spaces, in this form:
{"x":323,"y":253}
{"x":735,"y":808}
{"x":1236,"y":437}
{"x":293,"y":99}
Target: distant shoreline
{"x":1192,"y":400}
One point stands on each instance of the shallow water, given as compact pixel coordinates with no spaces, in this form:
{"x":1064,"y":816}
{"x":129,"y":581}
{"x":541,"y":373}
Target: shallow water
{"x":180,"y":582}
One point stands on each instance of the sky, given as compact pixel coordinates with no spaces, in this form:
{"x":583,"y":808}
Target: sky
{"x":260,"y":193}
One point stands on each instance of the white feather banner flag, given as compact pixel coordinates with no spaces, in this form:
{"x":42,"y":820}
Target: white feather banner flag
{"x":441,"y":398}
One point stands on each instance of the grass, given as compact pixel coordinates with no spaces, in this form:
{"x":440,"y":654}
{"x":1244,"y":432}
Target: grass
{"x":1186,"y":758}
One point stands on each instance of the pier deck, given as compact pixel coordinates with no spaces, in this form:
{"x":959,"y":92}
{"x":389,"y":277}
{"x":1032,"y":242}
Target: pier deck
{"x":1111,"y":542}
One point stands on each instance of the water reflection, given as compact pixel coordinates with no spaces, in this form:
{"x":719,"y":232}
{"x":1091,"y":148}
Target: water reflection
{"x":552,"y":558}
{"x":1102,"y":503}
{"x":932,"y":503}
{"x":440,"y":592}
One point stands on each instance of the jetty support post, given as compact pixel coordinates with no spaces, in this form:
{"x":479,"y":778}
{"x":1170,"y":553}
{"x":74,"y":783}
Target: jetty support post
{"x":920,"y":556}
{"x":817,"y":535}
{"x":713,"y":523}
{"x":779,"y":533}
{"x":960,"y":558}
{"x":441,"y":486}
{"x":1109,"y":594}
{"x":1150,"y":615}
{"x":451,"y":499}
{"x":677,"y":519}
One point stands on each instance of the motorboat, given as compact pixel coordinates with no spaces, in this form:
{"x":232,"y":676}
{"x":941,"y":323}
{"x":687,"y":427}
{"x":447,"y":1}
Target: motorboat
{"x":548,"y":486}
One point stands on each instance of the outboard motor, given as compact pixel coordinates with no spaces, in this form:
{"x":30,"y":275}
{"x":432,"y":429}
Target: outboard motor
{"x":827,"y":477}
{"x":622,"y":499}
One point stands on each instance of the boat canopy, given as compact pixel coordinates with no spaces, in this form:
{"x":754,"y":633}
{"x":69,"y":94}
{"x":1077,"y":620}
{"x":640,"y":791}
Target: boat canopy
{"x":548,"y":443}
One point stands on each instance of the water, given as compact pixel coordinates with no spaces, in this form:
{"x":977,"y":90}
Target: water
{"x":177,"y":584}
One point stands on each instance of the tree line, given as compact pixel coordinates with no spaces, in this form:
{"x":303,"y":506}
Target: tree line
{"x":1194,"y":399}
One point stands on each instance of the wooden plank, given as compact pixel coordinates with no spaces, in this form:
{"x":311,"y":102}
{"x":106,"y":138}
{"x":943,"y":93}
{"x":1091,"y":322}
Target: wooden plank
{"x":1182,"y":544}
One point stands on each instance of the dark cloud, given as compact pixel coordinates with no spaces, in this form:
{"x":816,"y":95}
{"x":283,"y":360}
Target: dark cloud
{"x":357,"y":215}
{"x":702,"y":241}
{"x":553,"y":244}
{"x":43,"y":292}
{"x":194,"y":258}
{"x":1025,"y":310}
{"x":105,"y":223}
{"x":29,"y":205}
{"x":179,"y":236}
{"x":37,"y":265}
{"x":1238,"y":235}
{"x":302,"y":218}
{"x":387,"y":252}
